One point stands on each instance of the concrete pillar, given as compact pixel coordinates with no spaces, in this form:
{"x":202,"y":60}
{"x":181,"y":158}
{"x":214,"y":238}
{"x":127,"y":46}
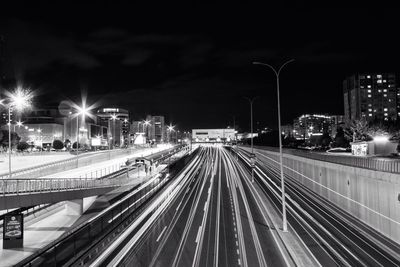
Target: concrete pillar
{"x":87,"y":202}
{"x":74,"y":207}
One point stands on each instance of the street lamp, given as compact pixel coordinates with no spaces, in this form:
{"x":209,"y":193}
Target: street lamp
{"x":251,"y":100}
{"x":83,"y":111}
{"x":41,"y":140}
{"x":113,"y":117}
{"x":18,"y":100}
{"x":19,"y":124}
{"x":284,"y":221}
{"x":170,"y":128}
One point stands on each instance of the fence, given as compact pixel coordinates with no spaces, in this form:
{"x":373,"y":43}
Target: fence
{"x":67,"y":164}
{"x":371,"y":163}
{"x":23,"y":186}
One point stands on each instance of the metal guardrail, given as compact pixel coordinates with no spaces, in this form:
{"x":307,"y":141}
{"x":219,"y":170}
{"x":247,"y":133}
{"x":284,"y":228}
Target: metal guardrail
{"x":371,"y":163}
{"x":23,"y":186}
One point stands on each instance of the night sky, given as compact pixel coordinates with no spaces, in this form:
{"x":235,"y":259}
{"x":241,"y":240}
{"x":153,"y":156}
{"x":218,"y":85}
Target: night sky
{"x":193,"y":64}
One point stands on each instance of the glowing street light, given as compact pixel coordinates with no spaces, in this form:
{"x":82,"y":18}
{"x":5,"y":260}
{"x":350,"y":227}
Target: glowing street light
{"x":170,"y":128}
{"x":82,"y":111}
{"x":19,"y":124}
{"x":19,"y":100}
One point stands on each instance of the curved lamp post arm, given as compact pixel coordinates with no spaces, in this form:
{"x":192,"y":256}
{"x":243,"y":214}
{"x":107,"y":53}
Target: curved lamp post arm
{"x":271,"y":67}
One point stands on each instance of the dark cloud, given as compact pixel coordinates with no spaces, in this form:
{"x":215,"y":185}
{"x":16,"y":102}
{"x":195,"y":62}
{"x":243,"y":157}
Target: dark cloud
{"x":194,"y":66}
{"x":33,"y":47}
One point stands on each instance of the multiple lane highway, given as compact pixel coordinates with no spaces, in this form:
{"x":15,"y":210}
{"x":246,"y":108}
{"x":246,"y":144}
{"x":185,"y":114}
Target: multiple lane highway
{"x":214,"y":220}
{"x":209,"y":212}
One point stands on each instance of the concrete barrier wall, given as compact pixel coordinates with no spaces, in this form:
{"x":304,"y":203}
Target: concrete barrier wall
{"x":372,"y":196}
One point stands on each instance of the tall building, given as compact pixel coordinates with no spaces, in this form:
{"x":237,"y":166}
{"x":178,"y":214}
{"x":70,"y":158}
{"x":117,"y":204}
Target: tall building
{"x":308,"y":125}
{"x":118,"y":128}
{"x":373,"y":96}
{"x":156,"y":131}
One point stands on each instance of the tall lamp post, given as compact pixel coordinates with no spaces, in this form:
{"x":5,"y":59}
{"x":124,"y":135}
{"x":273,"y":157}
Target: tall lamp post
{"x":82,"y":111}
{"x":284,"y":227}
{"x":41,"y":140}
{"x":170,"y":128}
{"x":18,"y":100}
{"x":251,"y":100}
{"x":113,"y":117}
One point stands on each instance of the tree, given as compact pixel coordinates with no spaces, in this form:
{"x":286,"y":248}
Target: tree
{"x":4,"y":139}
{"x":58,"y":144}
{"x":325,"y":140}
{"x":74,"y":145}
{"x":359,"y":129}
{"x":340,"y":139}
{"x":22,"y":146}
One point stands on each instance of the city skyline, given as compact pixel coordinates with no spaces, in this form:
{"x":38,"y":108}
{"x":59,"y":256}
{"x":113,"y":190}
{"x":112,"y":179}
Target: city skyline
{"x":158,"y":69}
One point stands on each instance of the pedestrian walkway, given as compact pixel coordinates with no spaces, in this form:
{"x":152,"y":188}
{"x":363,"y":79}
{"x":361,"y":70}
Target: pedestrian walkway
{"x":37,"y":236}
{"x":40,"y":234}
{"x":103,"y":168}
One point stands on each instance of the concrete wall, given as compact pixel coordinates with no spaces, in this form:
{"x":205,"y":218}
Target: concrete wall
{"x":371,"y":196}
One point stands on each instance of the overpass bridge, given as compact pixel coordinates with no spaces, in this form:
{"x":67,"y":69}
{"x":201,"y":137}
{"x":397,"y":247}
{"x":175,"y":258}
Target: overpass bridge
{"x":25,"y":192}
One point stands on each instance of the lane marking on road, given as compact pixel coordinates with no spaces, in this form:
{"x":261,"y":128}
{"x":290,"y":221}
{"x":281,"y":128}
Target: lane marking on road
{"x":158,"y":238}
{"x":179,"y":205}
{"x":198,"y":234}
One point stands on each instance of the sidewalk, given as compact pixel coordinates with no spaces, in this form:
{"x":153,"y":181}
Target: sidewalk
{"x":37,"y":236}
{"x":100,"y":169}
{"x":27,"y":161}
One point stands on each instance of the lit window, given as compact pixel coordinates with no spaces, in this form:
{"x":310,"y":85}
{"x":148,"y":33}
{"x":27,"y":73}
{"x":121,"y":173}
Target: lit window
{"x":385,"y":119}
{"x":379,"y":90}
{"x":379,"y":76}
{"x":384,"y":95}
{"x":385,"y":109}
{"x":379,"y":81}
{"x":369,"y":86}
{"x":384,"y":81}
{"x":370,"y":114}
{"x":370,"y":109}
{"x":384,"y":90}
{"x":369,"y":105}
{"x":389,"y":85}
{"x":368,"y":77}
{"x":390,"y":100}
{"x":385,"y":114}
{"x":369,"y":91}
{"x":369,"y":95}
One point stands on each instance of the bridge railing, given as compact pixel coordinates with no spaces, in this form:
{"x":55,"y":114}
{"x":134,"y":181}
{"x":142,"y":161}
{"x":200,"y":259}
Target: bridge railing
{"x":84,"y":159}
{"x":372,"y":163}
{"x":22,"y":186}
